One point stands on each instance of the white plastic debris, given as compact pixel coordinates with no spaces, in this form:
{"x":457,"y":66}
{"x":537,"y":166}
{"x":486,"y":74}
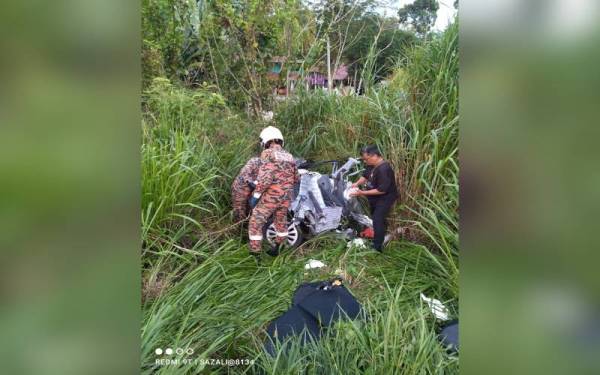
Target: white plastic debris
{"x":358,"y":243}
{"x":437,"y":308}
{"x":313,"y":263}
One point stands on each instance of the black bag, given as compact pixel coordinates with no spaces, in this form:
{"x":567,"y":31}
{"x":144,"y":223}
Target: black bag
{"x":292,"y":322}
{"x":314,"y":306}
{"x":330,"y":303}
{"x":448,"y":336}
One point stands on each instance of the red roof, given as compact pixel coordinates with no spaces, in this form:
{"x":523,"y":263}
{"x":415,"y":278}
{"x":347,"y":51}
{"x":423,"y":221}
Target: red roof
{"x":279,"y":59}
{"x":272,"y":76}
{"x":341,"y":73}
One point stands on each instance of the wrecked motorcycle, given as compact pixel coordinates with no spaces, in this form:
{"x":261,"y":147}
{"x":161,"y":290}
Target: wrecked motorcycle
{"x":322,"y":203}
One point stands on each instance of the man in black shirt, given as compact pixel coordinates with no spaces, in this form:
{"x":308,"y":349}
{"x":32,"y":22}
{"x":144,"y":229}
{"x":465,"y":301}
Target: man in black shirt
{"x":381,"y":190}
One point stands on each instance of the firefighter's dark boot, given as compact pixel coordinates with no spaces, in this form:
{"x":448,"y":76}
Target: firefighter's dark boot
{"x":274,"y":250}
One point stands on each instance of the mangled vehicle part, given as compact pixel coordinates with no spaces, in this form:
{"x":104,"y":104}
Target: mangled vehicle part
{"x":322,"y":203}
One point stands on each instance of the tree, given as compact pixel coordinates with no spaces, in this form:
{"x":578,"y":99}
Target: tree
{"x":420,"y":15}
{"x":342,"y":23}
{"x":390,"y":42}
{"x":240,"y":37}
{"x":164,"y":23}
{"x":391,"y":46}
{"x":354,"y":28}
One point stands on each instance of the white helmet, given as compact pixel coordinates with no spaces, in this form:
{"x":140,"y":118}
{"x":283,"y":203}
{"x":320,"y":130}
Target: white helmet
{"x":268,"y":134}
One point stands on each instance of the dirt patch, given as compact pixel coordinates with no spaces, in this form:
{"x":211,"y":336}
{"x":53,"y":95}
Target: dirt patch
{"x":153,"y":287}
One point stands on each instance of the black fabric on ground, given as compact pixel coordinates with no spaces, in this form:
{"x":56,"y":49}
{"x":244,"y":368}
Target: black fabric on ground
{"x":449,"y":336}
{"x":304,"y":290}
{"x":328,"y":306}
{"x":292,"y":322}
{"x":314,"y":306}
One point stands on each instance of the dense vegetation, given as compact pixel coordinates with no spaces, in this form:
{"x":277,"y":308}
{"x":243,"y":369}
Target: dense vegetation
{"x":202,"y":290}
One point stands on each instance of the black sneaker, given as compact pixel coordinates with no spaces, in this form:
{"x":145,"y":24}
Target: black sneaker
{"x":274,"y":250}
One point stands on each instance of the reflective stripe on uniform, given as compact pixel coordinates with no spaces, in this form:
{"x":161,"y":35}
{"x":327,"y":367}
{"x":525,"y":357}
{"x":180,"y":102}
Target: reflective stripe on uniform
{"x":282,"y":234}
{"x":256,"y":238}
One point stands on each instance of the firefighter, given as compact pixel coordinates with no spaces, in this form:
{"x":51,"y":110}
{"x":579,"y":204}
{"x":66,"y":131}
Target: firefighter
{"x":242,"y":187}
{"x":273,"y":193}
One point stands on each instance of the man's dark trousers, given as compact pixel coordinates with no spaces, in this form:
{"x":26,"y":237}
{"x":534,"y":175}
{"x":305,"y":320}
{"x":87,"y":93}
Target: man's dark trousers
{"x":380,"y":208}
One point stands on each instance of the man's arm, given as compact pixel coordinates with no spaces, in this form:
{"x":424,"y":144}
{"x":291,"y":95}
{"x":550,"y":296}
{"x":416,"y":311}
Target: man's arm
{"x":369,"y":192}
{"x":251,"y":169}
{"x":361,"y":181}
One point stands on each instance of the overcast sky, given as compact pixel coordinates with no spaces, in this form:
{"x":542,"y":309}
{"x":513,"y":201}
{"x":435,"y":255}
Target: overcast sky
{"x":444,"y":15}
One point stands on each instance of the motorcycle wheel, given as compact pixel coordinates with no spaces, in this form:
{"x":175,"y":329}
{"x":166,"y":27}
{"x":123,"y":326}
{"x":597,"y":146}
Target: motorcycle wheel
{"x":295,"y":235}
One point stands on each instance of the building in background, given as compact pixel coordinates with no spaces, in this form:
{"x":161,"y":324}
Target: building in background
{"x":285,"y":76}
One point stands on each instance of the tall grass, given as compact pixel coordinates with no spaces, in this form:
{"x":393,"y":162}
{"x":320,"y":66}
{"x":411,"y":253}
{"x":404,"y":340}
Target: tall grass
{"x":221,"y":307}
{"x":191,"y":148}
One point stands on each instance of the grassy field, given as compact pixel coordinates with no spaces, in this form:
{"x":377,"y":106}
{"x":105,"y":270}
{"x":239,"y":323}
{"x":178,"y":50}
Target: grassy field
{"x":202,"y":290}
